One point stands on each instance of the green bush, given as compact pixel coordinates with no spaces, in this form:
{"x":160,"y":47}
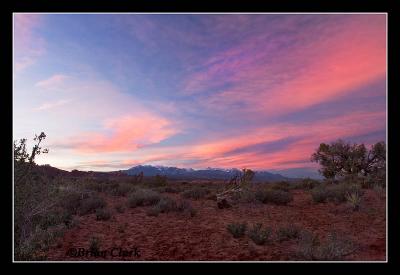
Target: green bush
{"x":309,"y":184}
{"x":185,"y":207}
{"x":321,"y":194}
{"x":90,"y":204}
{"x":195,"y":193}
{"x":143,"y":197}
{"x":120,"y":208}
{"x":71,"y":201}
{"x":354,"y":199}
{"x":287,"y":232}
{"x":237,"y":229}
{"x":273,"y":196}
{"x":97,"y":186}
{"x":334,"y":248}
{"x":122,"y":189}
{"x":166,"y":205}
{"x":103,"y":214}
{"x":380,"y":191}
{"x":334,"y":192}
{"x":169,"y":189}
{"x":281,"y":185}
{"x":258,"y":235}
{"x":161,"y":180}
{"x":247,"y":196}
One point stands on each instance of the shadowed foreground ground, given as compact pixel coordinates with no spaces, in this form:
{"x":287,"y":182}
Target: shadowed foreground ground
{"x":174,"y":236}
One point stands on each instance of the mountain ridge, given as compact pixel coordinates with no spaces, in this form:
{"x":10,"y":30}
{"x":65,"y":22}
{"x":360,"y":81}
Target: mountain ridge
{"x":208,"y":173}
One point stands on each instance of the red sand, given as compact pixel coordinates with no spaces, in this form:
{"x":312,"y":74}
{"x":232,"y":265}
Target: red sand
{"x":173,"y":236}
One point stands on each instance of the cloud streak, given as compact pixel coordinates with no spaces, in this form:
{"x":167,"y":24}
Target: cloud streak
{"x":28,"y":46}
{"x":53,"y":82}
{"x":122,"y":134}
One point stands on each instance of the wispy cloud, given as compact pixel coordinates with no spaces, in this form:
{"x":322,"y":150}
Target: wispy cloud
{"x":51,"y":105}
{"x":124,"y":134}
{"x":28,"y":46}
{"x":52,"y":82}
{"x":274,"y":74}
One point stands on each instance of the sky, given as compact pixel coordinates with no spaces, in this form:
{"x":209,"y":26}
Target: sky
{"x":258,"y":91}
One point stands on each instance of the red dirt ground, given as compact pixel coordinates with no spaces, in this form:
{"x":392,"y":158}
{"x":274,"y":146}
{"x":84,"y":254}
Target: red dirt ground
{"x":174,"y":236}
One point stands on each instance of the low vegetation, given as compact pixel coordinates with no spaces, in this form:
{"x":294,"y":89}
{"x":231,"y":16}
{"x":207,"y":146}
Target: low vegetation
{"x":122,"y":189}
{"x":336,"y":193}
{"x":103,"y":214}
{"x":91,"y":204}
{"x":143,"y":197}
{"x":333,"y":248}
{"x":271,"y":196}
{"x":287,"y":232}
{"x":166,"y":205}
{"x":195,"y":193}
{"x":259,"y":235}
{"x":237,"y":229}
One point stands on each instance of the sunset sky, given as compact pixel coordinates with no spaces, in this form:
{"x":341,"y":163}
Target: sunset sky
{"x":112,"y":91}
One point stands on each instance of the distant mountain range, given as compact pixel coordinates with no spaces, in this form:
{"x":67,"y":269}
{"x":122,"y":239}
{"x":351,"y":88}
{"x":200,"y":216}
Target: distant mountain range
{"x":209,"y":173}
{"x":185,"y":174}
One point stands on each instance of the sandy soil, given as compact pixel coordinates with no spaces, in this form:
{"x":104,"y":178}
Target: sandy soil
{"x":174,"y":236}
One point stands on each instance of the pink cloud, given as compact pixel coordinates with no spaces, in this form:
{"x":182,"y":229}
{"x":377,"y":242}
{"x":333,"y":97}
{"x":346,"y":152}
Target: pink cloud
{"x":50,"y":105}
{"x":329,"y":65}
{"x":53,"y":82}
{"x":124,"y":134}
{"x":27,"y":45}
{"x":309,"y":135}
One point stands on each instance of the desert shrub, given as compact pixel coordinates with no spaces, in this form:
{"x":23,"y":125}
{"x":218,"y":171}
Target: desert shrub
{"x":369,"y":181}
{"x":247,"y":196}
{"x":120,"y":208}
{"x":159,"y":180}
{"x":354,"y":199}
{"x":40,"y":239}
{"x":94,"y":244}
{"x":333,"y":248}
{"x":307,"y":246}
{"x":273,"y":196}
{"x":281,"y":185}
{"x":237,"y":229}
{"x":185,"y":207}
{"x":380,"y":191}
{"x":103,"y":214}
{"x":166,"y":189}
{"x":71,"y":201}
{"x":309,"y":184}
{"x":170,"y":189}
{"x":258,"y":235}
{"x":95,"y":186}
{"x":195,"y":193}
{"x":153,"y":211}
{"x":287,"y":232}
{"x":90,"y":204}
{"x":122,"y":189}
{"x":321,"y":194}
{"x":143,"y":197}
{"x":166,"y":205}
{"x":334,"y":192}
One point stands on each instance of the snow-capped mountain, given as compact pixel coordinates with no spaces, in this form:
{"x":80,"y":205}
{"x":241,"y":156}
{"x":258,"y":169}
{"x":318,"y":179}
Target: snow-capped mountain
{"x":209,"y":173}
